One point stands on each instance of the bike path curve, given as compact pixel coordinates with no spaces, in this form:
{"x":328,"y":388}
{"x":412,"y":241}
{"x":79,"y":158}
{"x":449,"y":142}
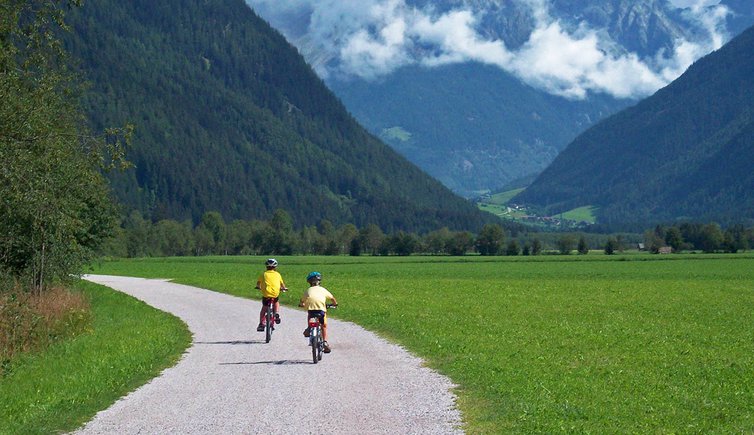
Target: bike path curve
{"x":231,"y":381}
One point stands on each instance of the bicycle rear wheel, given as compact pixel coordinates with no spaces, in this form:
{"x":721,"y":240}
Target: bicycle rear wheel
{"x":320,"y":345}
{"x":314,"y":342}
{"x":268,"y":327}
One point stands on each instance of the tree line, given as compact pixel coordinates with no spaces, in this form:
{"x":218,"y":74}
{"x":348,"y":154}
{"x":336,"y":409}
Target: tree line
{"x":140,"y":237}
{"x":707,"y":238}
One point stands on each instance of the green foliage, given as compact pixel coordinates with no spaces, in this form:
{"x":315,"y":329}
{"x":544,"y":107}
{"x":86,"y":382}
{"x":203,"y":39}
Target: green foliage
{"x":536,"y":247}
{"x":55,"y":209}
{"x":566,"y":243}
{"x":682,"y":154}
{"x":700,"y":237}
{"x":490,"y":239}
{"x":278,"y":236}
{"x":63,"y":387}
{"x":513,"y":248}
{"x":583,"y":247}
{"x":550,"y":344}
{"x":230,"y":118}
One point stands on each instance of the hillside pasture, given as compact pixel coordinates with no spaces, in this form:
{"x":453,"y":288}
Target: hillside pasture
{"x":581,"y":214}
{"x":589,"y":344}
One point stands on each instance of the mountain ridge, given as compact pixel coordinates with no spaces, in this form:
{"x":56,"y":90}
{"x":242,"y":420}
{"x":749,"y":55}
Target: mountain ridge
{"x":230,"y":118}
{"x":648,"y":28}
{"x":683,"y":153}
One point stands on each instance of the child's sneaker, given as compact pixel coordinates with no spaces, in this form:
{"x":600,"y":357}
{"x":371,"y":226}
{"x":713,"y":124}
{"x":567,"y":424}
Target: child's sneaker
{"x":327,"y":347}
{"x":306,"y":332}
{"x":260,"y":328}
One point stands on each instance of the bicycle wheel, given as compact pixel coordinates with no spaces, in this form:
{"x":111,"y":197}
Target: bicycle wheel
{"x":320,"y":346}
{"x":314,"y":343}
{"x":268,"y":327}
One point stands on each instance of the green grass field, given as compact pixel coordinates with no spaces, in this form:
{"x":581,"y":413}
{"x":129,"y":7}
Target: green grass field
{"x":553,"y":344}
{"x":62,"y":387}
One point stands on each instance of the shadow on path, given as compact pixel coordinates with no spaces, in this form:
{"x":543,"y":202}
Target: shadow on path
{"x":232,"y":342}
{"x":285,"y":362}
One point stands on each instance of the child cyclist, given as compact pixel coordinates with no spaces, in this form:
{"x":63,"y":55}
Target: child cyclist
{"x":315,"y":301}
{"x":270,"y":283}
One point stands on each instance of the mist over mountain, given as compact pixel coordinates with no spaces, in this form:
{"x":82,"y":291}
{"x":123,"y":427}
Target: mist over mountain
{"x":685,"y":153}
{"x":433,"y":61}
{"x":230,"y":118}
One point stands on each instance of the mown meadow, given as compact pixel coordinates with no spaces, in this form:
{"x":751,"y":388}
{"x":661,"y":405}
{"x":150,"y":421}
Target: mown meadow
{"x":587,"y":344}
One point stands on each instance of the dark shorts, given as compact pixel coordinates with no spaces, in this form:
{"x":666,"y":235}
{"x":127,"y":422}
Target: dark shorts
{"x":321,"y":315}
{"x":266,"y":301}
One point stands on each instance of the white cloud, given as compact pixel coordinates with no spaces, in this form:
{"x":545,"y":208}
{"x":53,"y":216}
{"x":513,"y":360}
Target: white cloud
{"x":372,"y":38}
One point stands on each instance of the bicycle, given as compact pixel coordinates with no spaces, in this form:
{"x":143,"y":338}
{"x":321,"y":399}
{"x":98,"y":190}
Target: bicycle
{"x":269,"y":319}
{"x":316,"y":341}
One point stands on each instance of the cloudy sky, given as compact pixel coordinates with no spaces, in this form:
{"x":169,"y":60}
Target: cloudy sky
{"x":373,"y":38}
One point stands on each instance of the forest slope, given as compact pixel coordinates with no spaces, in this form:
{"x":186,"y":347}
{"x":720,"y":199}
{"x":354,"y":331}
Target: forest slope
{"x":230,"y":118}
{"x":684,"y":153}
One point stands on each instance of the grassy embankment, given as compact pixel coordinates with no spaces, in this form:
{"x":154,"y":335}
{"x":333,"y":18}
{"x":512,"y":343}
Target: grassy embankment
{"x":588,"y":344}
{"x":63,"y":386}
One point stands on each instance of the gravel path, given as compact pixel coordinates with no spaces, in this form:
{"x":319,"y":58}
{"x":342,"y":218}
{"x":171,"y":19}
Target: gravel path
{"x":230,"y":381}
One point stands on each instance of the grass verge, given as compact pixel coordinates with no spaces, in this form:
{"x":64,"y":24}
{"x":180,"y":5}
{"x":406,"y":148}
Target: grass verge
{"x":62,"y":387}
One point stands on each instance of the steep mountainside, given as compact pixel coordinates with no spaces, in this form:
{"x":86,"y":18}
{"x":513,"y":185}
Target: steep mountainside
{"x":230,"y":118}
{"x":474,"y":126}
{"x":687,"y":152}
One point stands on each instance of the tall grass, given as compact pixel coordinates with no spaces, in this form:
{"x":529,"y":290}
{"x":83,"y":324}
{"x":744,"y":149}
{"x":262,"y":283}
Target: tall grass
{"x":556,"y":344}
{"x":62,"y":387}
{"x":31,"y":323}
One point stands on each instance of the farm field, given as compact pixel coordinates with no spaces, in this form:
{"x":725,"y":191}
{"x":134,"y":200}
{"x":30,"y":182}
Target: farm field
{"x":596,"y":344}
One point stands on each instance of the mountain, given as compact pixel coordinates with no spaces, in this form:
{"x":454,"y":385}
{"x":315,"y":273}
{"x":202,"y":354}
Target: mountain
{"x":230,"y":118}
{"x":473,"y":127}
{"x":477,"y":119}
{"x":686,"y":152}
